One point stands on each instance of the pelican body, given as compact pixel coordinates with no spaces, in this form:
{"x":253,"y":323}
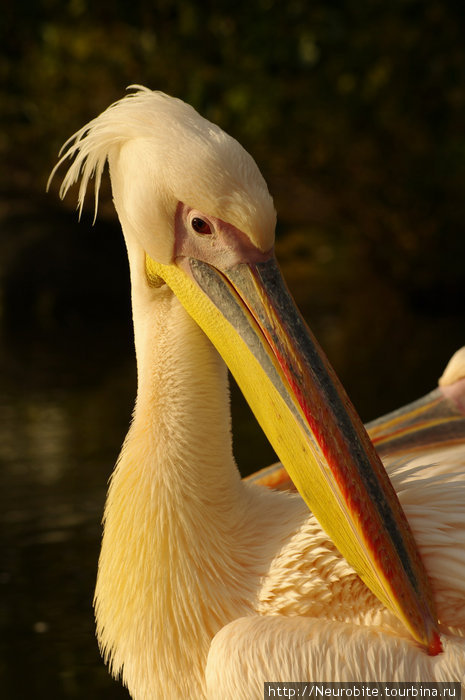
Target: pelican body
{"x":210,"y":585}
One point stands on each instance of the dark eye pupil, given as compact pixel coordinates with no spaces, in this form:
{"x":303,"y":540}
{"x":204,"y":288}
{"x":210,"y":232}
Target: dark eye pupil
{"x":200,"y":226}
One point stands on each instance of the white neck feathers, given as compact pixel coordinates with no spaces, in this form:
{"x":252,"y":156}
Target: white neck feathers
{"x":169,"y":571}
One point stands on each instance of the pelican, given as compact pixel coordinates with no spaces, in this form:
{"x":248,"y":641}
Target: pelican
{"x":209,"y":585}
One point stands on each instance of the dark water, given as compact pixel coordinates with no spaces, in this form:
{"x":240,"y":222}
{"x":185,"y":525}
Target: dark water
{"x":57,"y":446}
{"x":66,"y":395}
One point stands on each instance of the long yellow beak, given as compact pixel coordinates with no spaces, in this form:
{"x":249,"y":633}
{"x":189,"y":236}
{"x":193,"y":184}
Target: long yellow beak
{"x":249,"y":315}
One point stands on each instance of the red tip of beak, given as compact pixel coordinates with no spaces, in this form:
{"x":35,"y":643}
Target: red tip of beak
{"x":435,"y":646}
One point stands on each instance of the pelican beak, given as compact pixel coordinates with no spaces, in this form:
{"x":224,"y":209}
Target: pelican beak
{"x":250,"y":316}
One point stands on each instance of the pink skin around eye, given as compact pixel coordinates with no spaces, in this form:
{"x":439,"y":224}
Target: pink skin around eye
{"x":456,"y":392}
{"x":224,"y":247}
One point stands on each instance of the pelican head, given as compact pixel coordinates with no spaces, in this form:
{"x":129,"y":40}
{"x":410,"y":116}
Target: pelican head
{"x":198,"y":219}
{"x":184,"y":158}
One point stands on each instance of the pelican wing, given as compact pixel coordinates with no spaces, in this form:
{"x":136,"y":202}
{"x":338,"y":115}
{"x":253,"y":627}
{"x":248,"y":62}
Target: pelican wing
{"x":251,"y":651}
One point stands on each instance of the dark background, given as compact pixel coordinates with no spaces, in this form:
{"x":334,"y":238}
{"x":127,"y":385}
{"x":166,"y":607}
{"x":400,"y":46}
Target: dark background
{"x":354,"y":112}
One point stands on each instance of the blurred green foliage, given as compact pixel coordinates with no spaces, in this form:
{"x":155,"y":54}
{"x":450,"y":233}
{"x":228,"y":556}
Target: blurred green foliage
{"x":354,"y":110}
{"x":357,"y":92}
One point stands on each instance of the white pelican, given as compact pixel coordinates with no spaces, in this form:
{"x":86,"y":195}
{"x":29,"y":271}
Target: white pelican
{"x":209,"y":585}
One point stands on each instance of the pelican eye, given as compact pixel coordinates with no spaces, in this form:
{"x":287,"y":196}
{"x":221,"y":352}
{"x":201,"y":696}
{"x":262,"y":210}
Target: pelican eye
{"x":200,"y":226}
